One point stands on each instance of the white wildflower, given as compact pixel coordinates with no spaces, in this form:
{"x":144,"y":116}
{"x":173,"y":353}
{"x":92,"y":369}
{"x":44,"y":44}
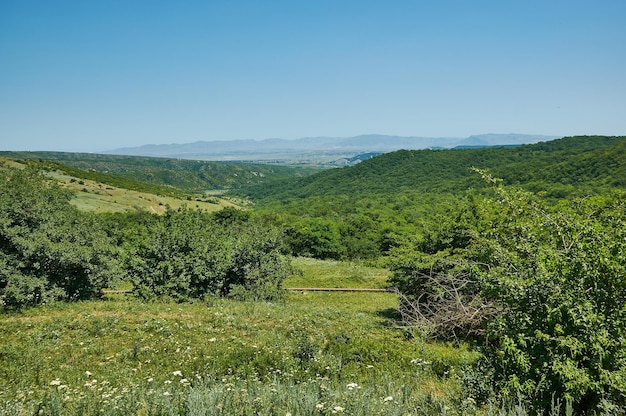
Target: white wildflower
{"x":338,"y":409}
{"x":388,"y":399}
{"x":352,"y":386}
{"x":56,"y":382}
{"x":319,"y":406}
{"x":177,"y":373}
{"x":150,"y":380}
{"x":88,"y":373}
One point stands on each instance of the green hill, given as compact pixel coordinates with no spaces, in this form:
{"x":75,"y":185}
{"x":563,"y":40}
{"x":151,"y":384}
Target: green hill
{"x":185,"y":175}
{"x":584,"y":161}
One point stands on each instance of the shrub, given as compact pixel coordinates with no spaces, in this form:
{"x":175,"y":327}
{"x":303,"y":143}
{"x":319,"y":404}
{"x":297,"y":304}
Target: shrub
{"x":189,"y":255}
{"x":48,"y":249}
{"x":555,"y":276}
{"x":560,"y":277}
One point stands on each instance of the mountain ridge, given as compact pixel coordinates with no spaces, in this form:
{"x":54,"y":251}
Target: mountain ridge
{"x":278,"y":149}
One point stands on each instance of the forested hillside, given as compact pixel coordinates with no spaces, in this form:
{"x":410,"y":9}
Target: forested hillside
{"x":364,"y":210}
{"x":589,"y":161}
{"x":184,"y":175}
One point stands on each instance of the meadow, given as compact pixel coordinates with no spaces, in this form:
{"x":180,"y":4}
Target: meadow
{"x":314,"y":353}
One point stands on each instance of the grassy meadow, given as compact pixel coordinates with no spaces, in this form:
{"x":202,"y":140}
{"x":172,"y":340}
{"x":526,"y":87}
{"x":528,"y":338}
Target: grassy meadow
{"x":315,"y":353}
{"x":97,"y":197}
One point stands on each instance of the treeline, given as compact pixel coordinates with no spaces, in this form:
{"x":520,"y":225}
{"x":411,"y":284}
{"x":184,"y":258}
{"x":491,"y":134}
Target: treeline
{"x":586,"y":161}
{"x":117,"y":181}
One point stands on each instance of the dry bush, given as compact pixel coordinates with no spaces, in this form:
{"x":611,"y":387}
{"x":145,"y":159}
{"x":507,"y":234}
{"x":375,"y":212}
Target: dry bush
{"x":450,"y":306}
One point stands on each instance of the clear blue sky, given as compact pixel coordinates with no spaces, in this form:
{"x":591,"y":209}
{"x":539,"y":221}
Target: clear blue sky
{"x":95,"y":75}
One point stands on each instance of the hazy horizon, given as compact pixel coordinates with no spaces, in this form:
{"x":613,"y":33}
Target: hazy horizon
{"x":96,"y":76}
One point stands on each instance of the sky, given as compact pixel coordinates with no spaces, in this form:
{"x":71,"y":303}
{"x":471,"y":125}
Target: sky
{"x":99,"y":75}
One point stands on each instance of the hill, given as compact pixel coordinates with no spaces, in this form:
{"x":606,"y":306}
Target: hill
{"x":100,"y":192}
{"x":583,"y":161}
{"x":162,"y":173}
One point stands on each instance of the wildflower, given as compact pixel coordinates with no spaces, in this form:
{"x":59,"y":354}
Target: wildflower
{"x":338,"y":409}
{"x":184,"y":381}
{"x":352,"y":386}
{"x":56,"y":382}
{"x":319,"y":406}
{"x":167,"y":393}
{"x":88,"y":373}
{"x":168,"y":382}
{"x":150,"y":380}
{"x":177,"y":373}
{"x":419,"y":361}
{"x":213,"y":340}
{"x":388,"y":399}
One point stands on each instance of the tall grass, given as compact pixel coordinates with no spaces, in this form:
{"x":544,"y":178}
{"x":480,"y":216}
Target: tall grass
{"x":316,"y":353}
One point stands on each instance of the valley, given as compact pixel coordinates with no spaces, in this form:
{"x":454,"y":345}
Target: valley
{"x":139,"y":285}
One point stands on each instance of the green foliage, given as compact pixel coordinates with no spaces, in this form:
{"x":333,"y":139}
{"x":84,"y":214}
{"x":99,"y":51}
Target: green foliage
{"x":377,"y":204}
{"x":162,"y":176}
{"x":551,"y":282}
{"x":190,"y":255}
{"x":317,"y":238}
{"x":580,"y":161}
{"x":560,"y":277}
{"x":48,"y":250}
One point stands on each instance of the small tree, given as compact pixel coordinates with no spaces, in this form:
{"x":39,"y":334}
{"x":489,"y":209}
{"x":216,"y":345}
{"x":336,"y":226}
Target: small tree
{"x":560,"y":277}
{"x":48,"y":249}
{"x":189,"y":255}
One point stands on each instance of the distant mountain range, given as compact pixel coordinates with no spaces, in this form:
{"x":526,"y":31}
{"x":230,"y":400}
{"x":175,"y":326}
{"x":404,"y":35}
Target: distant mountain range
{"x":319,"y":148}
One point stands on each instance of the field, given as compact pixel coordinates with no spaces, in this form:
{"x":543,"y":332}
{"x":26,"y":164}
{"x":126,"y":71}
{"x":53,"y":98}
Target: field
{"x":314,"y":353}
{"x":97,"y":197}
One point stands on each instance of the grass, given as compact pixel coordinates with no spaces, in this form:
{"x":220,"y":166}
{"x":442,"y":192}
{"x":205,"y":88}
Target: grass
{"x":336,"y":274}
{"x":97,"y":197}
{"x":316,"y":353}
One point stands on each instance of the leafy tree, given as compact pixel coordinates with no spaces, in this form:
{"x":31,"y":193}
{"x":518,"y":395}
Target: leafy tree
{"x":317,"y":238}
{"x":48,"y":249}
{"x":257,"y":267}
{"x":191,"y":254}
{"x":560,"y":278}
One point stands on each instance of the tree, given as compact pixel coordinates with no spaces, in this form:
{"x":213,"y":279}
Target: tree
{"x":48,"y":249}
{"x":559,"y":275}
{"x":190,"y":255}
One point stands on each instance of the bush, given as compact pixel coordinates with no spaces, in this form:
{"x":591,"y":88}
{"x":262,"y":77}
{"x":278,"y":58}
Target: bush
{"x":554,"y":280}
{"x":190,"y":255}
{"x":317,"y":238}
{"x":48,"y":249}
{"x":560,"y":277}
